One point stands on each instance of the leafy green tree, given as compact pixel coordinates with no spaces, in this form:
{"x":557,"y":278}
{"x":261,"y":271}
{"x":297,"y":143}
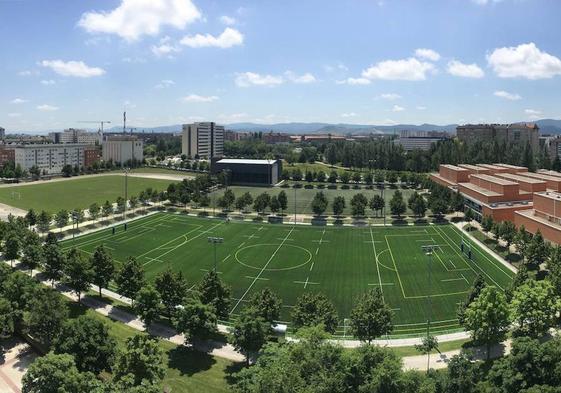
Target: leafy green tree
{"x":371,"y":317}
{"x":61,"y":219}
{"x":554,"y":269}
{"x":476,"y":288}
{"x":195,"y":320}
{"x":33,"y":256}
{"x":103,"y":267}
{"x":130,"y":279}
{"x":331,"y":154}
{"x":428,"y":344}
{"x":508,"y":232}
{"x":172,"y":288}
{"x":487,"y":318}
{"x":338,"y":205}
{"x":88,"y":340}
{"x":377,"y":204}
{"x":357,"y":177}
{"x":379,"y":177}
{"x":106,"y":209}
{"x":417,"y":204}
{"x":7,"y":319}
{"x":537,"y":250}
{"x":78,"y":272}
{"x":314,"y":309}
{"x":274,"y":204}
{"x":31,"y":217}
{"x":487,"y":223}
{"x":43,"y":221}
{"x":319,"y":203}
{"x":12,"y":247}
{"x":469,"y":216}
{"x":213,"y":291}
{"x":332,"y":177}
{"x":249,"y":333}
{"x":45,"y":316}
{"x":533,"y":308}
{"x":283,"y":201}
{"x":397,"y":204}
{"x":93,"y":211}
{"x":358,"y":205}
{"x":267,"y":304}
{"x":522,"y":241}
{"x":141,"y":361}
{"x":462,"y":375}
{"x":148,"y":304}
{"x":369,"y":178}
{"x":57,"y":373}
{"x":261,"y":202}
{"x":345,"y":177}
{"x":54,"y":262}
{"x":457,"y":202}
{"x":229,"y":197}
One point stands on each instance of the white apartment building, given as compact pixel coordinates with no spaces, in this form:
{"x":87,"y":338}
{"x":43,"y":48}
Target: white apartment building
{"x":51,"y":158}
{"x":202,"y":140}
{"x":123,"y":149}
{"x":73,"y":135}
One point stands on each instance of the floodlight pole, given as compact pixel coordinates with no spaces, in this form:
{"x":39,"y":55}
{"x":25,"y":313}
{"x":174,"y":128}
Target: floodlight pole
{"x":294,"y":205}
{"x":215,"y":241}
{"x":126,"y":191}
{"x":429,"y":250}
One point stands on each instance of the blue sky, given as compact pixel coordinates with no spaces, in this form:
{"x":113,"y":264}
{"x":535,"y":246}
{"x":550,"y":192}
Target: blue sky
{"x":269,"y":61}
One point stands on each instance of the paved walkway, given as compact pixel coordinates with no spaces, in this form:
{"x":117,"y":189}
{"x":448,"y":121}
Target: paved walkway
{"x":14,"y":363}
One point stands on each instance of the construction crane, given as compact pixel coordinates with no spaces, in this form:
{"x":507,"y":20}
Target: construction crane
{"x":101,"y":122}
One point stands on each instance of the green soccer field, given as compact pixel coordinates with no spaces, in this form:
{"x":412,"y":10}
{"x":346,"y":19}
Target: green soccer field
{"x":341,"y":262}
{"x":79,"y":192}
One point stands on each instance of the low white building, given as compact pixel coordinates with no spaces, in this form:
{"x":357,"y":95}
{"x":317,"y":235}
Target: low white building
{"x":123,"y":150}
{"x":74,"y":135}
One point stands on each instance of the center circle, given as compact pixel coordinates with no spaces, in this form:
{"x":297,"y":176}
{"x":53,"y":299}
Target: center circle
{"x":294,"y":259}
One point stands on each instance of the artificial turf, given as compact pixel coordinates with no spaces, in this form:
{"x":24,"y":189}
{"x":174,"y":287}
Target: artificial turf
{"x":341,"y":262}
{"x":79,"y":192}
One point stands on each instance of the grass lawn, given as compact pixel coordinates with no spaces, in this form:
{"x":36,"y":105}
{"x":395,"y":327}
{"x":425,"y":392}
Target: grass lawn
{"x":313,"y":167}
{"x":302,"y":197}
{"x":187,"y":370}
{"x":341,"y":262}
{"x":164,"y":171}
{"x":494,"y":245}
{"x":79,"y":192}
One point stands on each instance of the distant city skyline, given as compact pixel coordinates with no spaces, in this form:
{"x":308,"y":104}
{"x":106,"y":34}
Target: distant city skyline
{"x":359,"y":62}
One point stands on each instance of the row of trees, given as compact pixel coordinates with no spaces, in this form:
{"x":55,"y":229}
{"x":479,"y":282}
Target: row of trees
{"x":346,"y":177}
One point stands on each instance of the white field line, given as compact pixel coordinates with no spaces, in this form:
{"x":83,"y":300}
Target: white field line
{"x":261,"y":272}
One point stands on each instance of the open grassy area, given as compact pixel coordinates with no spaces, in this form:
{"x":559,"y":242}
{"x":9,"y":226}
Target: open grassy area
{"x":341,"y":262}
{"x":163,"y":171}
{"x":79,"y":192}
{"x":302,"y":197}
{"x":187,"y":370}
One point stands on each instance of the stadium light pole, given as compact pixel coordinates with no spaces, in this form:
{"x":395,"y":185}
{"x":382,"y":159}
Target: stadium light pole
{"x":294,"y":205}
{"x":126,"y":191}
{"x":215,"y":241}
{"x":429,"y":250}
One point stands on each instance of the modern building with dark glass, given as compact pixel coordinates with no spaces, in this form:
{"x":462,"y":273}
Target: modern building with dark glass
{"x":249,"y":172}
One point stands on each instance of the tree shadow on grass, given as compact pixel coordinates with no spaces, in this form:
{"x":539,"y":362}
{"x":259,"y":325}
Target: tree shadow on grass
{"x":513,"y":258}
{"x":189,"y":361}
{"x":231,"y":372}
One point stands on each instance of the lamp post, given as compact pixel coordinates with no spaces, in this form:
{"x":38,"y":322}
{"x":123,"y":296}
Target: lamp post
{"x":429,"y":249}
{"x":294,"y":205}
{"x":126,"y":191}
{"x":215,"y":241}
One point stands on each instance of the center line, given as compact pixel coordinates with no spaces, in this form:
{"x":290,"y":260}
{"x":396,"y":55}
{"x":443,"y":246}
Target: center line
{"x":261,"y":272}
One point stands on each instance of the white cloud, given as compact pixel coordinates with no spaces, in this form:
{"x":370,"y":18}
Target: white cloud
{"x":427,"y":54}
{"x":409,"y":69}
{"x":506,"y":95}
{"x":198,"y":98}
{"x":301,"y":79}
{"x":73,"y":68}
{"x":133,"y":60}
{"x":354,"y":81}
{"x":14,"y":114}
{"x":28,"y":72}
{"x":533,"y":114}
{"x":524,"y":61}
{"x":47,"y":108}
{"x":227,"y":20}
{"x":246,"y":79}
{"x":48,"y":82}
{"x":350,"y":114}
{"x":421,"y":108}
{"x":164,"y":49}
{"x":458,"y":68}
{"x":227,"y":39}
{"x":164,"y":83}
{"x":338,"y":67}
{"x":18,"y":101}
{"x":135,"y":18}
{"x":390,"y":96}
{"x":397,"y":108}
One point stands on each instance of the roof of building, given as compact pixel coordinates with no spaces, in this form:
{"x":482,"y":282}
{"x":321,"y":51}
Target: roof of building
{"x":491,"y":166}
{"x":541,"y":176}
{"x":245,"y":161}
{"x":474,"y":167}
{"x":494,"y":179}
{"x":453,"y":167}
{"x":521,"y":178}
{"x":479,"y":190}
{"x":512,"y":166}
